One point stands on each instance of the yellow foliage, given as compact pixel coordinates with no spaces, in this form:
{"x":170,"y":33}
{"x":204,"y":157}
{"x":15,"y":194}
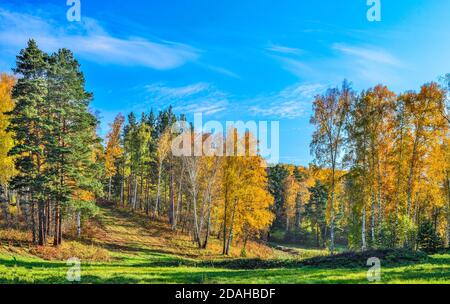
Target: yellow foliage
{"x":6,"y":138}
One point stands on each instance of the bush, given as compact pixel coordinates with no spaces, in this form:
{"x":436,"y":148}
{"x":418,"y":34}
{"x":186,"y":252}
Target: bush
{"x":344,"y":260}
{"x":427,"y":238}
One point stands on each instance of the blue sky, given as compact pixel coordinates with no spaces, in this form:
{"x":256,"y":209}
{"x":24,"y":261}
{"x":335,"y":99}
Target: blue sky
{"x":235,"y":60}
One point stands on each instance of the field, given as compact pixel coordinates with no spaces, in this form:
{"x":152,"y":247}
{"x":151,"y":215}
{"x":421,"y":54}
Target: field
{"x":126,"y":248}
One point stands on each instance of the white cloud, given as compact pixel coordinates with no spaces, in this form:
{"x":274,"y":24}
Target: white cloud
{"x":161,"y":91}
{"x":296,"y":67}
{"x":368,"y":64}
{"x":285,"y":50}
{"x":194,"y":98}
{"x":89,"y":40}
{"x":368,"y":53}
{"x":222,"y":71}
{"x":291,"y":102}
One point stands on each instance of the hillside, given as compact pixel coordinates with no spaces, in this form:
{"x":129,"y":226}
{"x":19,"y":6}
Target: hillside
{"x":128,"y":248}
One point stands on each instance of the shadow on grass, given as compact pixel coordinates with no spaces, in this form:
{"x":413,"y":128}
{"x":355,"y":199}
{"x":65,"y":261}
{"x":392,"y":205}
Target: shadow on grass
{"x":186,"y":277}
{"x":12,"y":262}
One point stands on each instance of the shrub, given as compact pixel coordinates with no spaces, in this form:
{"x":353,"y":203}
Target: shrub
{"x":427,"y":238}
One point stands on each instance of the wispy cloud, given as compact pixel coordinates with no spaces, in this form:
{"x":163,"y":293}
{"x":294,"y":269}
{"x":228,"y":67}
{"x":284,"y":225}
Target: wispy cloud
{"x":222,"y":71}
{"x":296,"y":67}
{"x":365,"y":64}
{"x":159,"y":90}
{"x":291,"y":102}
{"x":368,"y":63}
{"x":91,"y":41}
{"x":368,"y":53}
{"x":194,"y":98}
{"x":285,"y":49}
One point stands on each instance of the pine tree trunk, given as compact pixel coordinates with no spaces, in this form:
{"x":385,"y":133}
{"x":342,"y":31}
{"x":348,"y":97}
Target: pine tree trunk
{"x":60,"y":227}
{"x":122,"y":186}
{"x":49,"y":217}
{"x":26,"y":210}
{"x":33,"y":221}
{"x":287,"y":223}
{"x":135,"y":193}
{"x":57,"y":226}
{"x":41,"y":223}
{"x":318,"y":235}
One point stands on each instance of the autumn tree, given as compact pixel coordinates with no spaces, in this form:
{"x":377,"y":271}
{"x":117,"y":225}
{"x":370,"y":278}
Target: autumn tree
{"x":7,"y":169}
{"x":113,"y":150}
{"x":331,"y":112}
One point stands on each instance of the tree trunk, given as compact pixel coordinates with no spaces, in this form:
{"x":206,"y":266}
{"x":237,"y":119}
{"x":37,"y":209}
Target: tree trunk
{"x":78,"y":224}
{"x":5,"y":206}
{"x":448,"y":209}
{"x":60,"y":228}
{"x":172,"y":220}
{"x":135,"y":193}
{"x":56,"y":241}
{"x":179,"y":201}
{"x":224,"y":250}
{"x":298,"y":214}
{"x":122,"y":194}
{"x":333,"y":184}
{"x":41,"y":223}
{"x":33,"y":220}
{"x":363,"y":229}
{"x":158,"y":190}
{"x":109,"y":188}
{"x":49,"y":219}
{"x":411,"y":175}
{"x":318,"y":235}
{"x":196,"y":227}
{"x":230,"y":236}
{"x":208,"y":227}
{"x":372,"y":222}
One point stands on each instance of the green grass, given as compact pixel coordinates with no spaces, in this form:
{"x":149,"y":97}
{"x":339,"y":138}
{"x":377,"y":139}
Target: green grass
{"x":135,"y":255}
{"x":163,"y":268}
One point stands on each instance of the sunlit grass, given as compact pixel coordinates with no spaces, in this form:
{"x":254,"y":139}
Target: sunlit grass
{"x":135,"y":251}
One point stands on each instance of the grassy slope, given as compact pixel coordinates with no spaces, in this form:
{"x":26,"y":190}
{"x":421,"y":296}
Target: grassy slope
{"x":133,"y":251}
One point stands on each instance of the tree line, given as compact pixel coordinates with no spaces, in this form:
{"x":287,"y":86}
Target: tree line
{"x":381,"y":174}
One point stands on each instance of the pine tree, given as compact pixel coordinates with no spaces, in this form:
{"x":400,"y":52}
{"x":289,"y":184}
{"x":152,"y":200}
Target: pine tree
{"x":29,"y":120}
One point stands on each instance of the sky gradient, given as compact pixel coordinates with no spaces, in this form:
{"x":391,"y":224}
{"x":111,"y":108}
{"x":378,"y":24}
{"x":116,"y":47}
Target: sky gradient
{"x":235,"y":60}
